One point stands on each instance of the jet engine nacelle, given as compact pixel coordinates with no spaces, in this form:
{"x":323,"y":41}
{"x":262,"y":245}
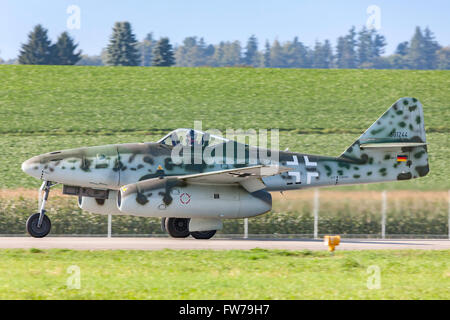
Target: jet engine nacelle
{"x":100,"y":206}
{"x":169,"y":198}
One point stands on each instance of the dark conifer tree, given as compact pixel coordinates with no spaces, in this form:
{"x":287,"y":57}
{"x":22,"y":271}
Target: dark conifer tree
{"x":322,"y":55}
{"x":402,"y":48}
{"x":209,"y":54}
{"x":251,"y":52}
{"x":267,"y":63}
{"x":340,"y":52}
{"x":38,"y":49}
{"x":298,"y":55}
{"x":163,"y":54}
{"x":346,"y":54}
{"x":277,"y":56}
{"x":64,"y":51}
{"x":379,"y":42}
{"x":327,"y":51}
{"x":146,"y":49}
{"x":365,"y":46}
{"x":430,"y":49}
{"x":122,"y":49}
{"x":417,"y":52}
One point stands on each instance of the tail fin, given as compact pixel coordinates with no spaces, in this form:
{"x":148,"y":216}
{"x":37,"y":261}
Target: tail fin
{"x":397,"y":135}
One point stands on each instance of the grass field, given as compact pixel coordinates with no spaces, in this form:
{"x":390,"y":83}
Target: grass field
{"x":254,"y":274}
{"x":44,"y":108}
{"x":113,"y":99}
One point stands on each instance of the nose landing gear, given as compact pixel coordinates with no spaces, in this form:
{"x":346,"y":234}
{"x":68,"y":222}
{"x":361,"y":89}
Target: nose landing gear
{"x":38,"y":224}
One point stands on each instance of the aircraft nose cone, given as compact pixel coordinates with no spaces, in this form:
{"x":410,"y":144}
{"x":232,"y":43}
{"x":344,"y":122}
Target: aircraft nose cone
{"x":32,"y":167}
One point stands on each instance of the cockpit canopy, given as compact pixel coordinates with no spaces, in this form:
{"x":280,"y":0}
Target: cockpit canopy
{"x":190,"y":137}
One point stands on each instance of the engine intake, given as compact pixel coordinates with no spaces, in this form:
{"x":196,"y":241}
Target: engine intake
{"x":100,"y":206}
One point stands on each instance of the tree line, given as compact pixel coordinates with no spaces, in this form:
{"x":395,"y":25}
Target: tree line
{"x":40,"y":50}
{"x":362,"y":48}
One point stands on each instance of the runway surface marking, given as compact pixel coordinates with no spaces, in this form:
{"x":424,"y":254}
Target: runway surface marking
{"x":214,"y":244}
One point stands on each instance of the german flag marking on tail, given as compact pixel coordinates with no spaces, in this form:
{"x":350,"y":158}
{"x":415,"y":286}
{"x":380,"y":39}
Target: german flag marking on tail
{"x":402,"y":158}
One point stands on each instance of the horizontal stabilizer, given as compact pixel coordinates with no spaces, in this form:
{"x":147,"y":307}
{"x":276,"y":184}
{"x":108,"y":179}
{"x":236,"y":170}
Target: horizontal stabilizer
{"x":391,"y":145}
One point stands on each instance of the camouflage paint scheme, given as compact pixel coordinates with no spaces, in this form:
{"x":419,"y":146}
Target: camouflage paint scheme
{"x":114,"y":166}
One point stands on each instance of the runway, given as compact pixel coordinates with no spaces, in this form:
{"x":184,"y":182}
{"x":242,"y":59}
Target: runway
{"x":214,"y":244}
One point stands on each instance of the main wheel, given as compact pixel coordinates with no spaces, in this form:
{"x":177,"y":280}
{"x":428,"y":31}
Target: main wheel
{"x":178,"y":227}
{"x":203,"y":234}
{"x":34,"y":230}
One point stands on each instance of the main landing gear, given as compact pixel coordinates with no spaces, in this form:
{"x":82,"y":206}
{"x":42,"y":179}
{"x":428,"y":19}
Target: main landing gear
{"x":179,"y":228}
{"x":203,"y":234}
{"x":38,"y":224}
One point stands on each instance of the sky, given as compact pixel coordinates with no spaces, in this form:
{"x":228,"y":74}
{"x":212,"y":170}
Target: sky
{"x":310,"y":20}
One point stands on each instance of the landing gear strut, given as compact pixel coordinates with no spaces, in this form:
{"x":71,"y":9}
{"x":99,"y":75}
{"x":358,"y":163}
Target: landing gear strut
{"x":38,"y":224}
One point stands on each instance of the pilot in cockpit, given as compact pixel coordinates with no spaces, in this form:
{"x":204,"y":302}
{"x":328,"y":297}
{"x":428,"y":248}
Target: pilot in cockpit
{"x":175,"y":139}
{"x":190,"y":138}
{"x":205,"y":139}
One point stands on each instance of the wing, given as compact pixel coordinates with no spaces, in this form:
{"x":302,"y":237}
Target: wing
{"x":249,"y":177}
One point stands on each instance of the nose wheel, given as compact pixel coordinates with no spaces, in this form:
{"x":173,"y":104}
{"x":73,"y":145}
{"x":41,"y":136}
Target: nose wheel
{"x":38,"y":224}
{"x":34,"y":230}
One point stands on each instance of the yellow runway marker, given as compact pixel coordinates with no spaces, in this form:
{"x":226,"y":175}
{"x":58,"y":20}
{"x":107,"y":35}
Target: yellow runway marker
{"x":332,"y":242}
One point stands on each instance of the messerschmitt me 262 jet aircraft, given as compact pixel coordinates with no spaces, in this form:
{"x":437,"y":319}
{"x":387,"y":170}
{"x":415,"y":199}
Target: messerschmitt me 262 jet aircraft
{"x":193,"y":197}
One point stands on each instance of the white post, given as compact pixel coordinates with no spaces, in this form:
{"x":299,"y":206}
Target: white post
{"x":109,"y":225}
{"x":316,"y":213}
{"x":383,"y":214}
{"x":448,"y":214}
{"x":246,"y":228}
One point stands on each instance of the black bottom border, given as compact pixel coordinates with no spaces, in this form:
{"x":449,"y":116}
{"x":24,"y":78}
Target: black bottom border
{"x":222,"y":309}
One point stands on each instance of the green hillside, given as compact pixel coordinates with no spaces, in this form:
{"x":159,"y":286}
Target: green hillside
{"x":44,"y":108}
